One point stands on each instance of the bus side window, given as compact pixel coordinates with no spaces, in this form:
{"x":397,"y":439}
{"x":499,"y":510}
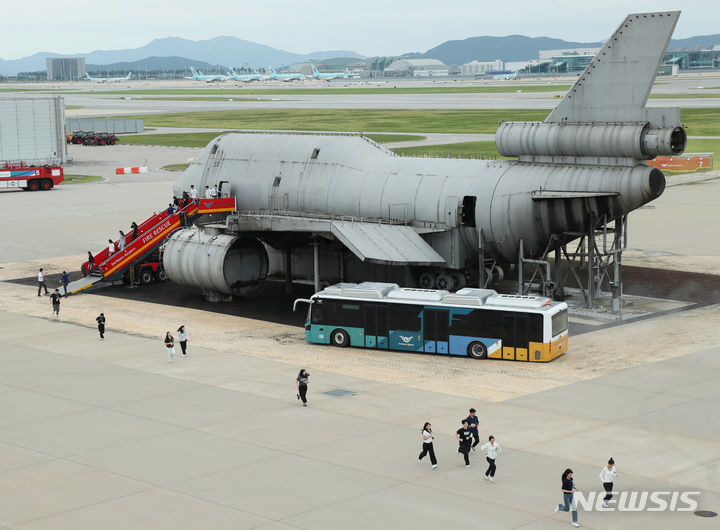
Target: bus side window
{"x":404,"y":317}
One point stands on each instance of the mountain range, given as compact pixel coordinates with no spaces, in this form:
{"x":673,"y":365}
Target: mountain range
{"x":171,"y":53}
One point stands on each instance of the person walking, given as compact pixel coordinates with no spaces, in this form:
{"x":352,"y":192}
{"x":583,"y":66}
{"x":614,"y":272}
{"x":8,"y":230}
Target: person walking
{"x":134,"y":227}
{"x":473,"y":424}
{"x":121,"y":241}
{"x":182,"y":339}
{"x":41,"y":282}
{"x":170,"y":209}
{"x":101,"y":325}
{"x":169,"y":346}
{"x":427,"y":446}
{"x":55,"y":299}
{"x":111,"y":247}
{"x":491,"y":450}
{"x":568,"y":489}
{"x":464,"y":436}
{"x":607,"y":477}
{"x":91,"y":262}
{"x":65,"y":280}
{"x":302,"y":382}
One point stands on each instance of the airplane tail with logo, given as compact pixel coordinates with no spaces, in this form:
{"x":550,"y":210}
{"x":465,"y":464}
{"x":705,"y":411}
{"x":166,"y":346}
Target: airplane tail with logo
{"x":194,"y":72}
{"x":315,"y":72}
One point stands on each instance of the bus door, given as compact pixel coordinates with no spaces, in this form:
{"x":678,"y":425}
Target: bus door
{"x":435,"y":330}
{"x":515,"y":337}
{"x":376,"y":326}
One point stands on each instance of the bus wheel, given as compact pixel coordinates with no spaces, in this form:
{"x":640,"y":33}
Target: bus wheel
{"x":477,"y":350}
{"x":340,"y":338}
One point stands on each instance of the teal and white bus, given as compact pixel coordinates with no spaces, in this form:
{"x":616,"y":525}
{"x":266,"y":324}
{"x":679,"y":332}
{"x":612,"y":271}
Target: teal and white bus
{"x":478,"y":323}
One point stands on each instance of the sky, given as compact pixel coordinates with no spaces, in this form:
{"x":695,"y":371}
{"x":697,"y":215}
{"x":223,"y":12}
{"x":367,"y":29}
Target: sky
{"x":370,"y":27}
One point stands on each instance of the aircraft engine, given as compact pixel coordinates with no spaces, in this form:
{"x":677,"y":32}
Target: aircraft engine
{"x":215,"y":262}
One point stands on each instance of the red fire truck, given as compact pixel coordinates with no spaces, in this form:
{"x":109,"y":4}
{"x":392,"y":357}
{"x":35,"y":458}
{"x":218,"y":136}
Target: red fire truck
{"x":30,"y":177}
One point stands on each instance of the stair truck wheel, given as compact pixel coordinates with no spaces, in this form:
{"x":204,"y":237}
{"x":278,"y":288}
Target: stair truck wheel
{"x":146,"y":275}
{"x":160,"y":274}
{"x":340,"y":338}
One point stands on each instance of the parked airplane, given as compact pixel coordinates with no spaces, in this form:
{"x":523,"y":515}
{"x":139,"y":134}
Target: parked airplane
{"x":108,"y":79}
{"x":210,"y":78}
{"x":244,"y":77}
{"x":506,"y":76}
{"x":285,"y":77}
{"x":328,"y":75}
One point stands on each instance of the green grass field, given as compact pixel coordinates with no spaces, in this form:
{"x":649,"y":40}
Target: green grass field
{"x":700,"y":122}
{"x":201,"y":139}
{"x":79,"y":179}
{"x":250,"y":90}
{"x":375,"y":120}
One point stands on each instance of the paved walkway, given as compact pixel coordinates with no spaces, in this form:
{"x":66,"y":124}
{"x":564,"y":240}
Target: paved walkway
{"x":110,"y":435}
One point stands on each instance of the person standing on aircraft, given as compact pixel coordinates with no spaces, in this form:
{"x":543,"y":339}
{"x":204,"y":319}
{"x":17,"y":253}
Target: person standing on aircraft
{"x":193,"y":193}
{"x":182,"y":339}
{"x":41,"y":282}
{"x":55,"y":299}
{"x":214,"y":192}
{"x":568,"y":490}
{"x":607,"y":477}
{"x":65,"y":280}
{"x":491,"y":451}
{"x":101,"y":325}
{"x":464,"y":436}
{"x":473,"y":424}
{"x":427,"y":446}
{"x":302,"y":384}
{"x":208,"y":192}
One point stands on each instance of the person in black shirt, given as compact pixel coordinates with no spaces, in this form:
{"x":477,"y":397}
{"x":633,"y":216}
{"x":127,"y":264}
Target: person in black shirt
{"x":101,"y":325}
{"x":55,"y":299}
{"x":568,"y":502}
{"x":464,"y":436}
{"x":301,"y":382}
{"x":91,"y":262}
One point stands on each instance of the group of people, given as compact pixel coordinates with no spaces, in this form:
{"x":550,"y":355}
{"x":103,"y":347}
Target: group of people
{"x":468,"y":439}
{"x":169,"y":343}
{"x":55,"y":296}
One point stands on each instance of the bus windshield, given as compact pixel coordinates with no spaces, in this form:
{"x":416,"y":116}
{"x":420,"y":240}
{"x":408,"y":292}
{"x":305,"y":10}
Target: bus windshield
{"x":559,"y":322}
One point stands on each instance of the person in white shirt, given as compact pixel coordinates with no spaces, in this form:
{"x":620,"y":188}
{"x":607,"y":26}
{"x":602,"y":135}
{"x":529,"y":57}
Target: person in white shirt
{"x":214,"y":192}
{"x":121,"y":241}
{"x":193,"y":193}
{"x":427,"y":446}
{"x":607,"y":477}
{"x":491,"y":449}
{"x":41,"y":282}
{"x":182,"y":339}
{"x":111,"y":247}
{"x":208,"y":192}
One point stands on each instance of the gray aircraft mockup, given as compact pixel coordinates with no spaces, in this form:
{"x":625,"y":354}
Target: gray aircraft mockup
{"x":336,"y":207}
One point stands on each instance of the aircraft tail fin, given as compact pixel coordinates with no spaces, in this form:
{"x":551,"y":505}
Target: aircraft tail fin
{"x":616,"y":84}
